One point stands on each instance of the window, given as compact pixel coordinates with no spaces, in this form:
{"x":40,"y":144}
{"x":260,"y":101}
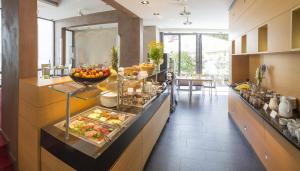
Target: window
{"x":45,"y":42}
{"x":182,"y":50}
{"x":196,"y":53}
{"x":215,"y":56}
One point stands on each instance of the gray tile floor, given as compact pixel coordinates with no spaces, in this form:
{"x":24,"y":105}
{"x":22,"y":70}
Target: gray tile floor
{"x":200,"y":136}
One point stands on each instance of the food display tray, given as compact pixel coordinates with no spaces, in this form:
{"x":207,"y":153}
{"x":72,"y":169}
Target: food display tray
{"x":128,"y":116}
{"x":107,"y":138}
{"x":141,"y":106}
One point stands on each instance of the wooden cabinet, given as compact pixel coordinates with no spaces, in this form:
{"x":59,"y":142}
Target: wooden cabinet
{"x":131,"y":159}
{"x":152,"y":130}
{"x":281,"y":17}
{"x":233,"y":108}
{"x":137,"y":153}
{"x":238,"y":46}
{"x":253,"y":130}
{"x":274,"y":151}
{"x":252,"y":43}
{"x":279,"y":33}
{"x":281,"y":155}
{"x":296,"y":28}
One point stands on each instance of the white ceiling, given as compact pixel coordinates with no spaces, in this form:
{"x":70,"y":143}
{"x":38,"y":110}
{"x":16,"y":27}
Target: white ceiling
{"x":70,"y":8}
{"x":206,"y":14}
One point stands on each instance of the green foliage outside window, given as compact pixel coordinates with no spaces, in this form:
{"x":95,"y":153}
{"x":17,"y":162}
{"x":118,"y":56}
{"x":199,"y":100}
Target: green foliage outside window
{"x":188,"y":66}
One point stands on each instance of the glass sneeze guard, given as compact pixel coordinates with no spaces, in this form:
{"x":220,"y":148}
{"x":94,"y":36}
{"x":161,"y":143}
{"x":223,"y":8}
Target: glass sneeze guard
{"x":73,"y":89}
{"x":77,"y":90}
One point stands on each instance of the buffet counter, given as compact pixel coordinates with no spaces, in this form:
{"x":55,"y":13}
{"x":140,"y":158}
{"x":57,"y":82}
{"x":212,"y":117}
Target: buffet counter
{"x":273,"y":144}
{"x":129,"y":148}
{"x":274,"y":123}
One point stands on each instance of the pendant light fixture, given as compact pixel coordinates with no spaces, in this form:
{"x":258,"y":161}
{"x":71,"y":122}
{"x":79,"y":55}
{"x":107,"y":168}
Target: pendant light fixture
{"x":145,"y":2}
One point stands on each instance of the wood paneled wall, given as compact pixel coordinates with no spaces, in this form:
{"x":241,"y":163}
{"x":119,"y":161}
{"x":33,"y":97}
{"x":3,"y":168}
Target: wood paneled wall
{"x":130,"y":30}
{"x":19,"y":60}
{"x":239,"y":69}
{"x":283,"y":74}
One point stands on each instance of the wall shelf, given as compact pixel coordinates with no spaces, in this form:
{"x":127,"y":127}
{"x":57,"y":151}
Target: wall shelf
{"x":263,"y":38}
{"x":233,"y":47}
{"x":244,"y":44}
{"x":296,"y":28}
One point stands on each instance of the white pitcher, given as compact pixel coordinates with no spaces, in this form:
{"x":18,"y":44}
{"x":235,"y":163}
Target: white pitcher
{"x":285,"y":108}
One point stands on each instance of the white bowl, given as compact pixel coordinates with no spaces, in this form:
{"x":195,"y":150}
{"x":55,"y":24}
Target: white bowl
{"x":109,"y":99}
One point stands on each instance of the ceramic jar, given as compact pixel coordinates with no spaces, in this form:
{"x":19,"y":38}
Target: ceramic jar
{"x":297,"y":133}
{"x":273,"y":104}
{"x":285,"y":109}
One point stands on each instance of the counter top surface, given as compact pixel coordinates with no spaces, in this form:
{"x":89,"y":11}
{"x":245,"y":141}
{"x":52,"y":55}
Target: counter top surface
{"x":82,"y":155}
{"x":39,"y":82}
{"x":282,"y":130}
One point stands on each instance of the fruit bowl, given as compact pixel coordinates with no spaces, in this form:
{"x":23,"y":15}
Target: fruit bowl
{"x":89,"y":76}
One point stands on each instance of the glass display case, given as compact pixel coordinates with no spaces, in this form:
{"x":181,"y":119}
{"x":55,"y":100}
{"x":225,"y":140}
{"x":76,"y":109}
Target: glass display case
{"x":100,"y":125}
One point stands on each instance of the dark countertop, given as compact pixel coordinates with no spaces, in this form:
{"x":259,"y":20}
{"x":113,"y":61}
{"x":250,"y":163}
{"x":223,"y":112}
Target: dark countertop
{"x":82,"y":155}
{"x":282,"y":130}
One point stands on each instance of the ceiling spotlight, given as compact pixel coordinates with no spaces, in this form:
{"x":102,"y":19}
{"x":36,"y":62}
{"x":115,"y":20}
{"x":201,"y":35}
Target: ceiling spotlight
{"x":156,"y":14}
{"x":145,"y":2}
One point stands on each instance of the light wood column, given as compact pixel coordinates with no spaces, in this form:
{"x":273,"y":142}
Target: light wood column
{"x":19,"y":60}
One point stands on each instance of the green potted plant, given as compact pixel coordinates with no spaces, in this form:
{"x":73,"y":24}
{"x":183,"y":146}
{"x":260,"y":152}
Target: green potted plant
{"x":156,"y":53}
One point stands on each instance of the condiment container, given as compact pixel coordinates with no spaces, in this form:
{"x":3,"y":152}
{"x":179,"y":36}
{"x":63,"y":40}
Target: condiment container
{"x":273,"y":105}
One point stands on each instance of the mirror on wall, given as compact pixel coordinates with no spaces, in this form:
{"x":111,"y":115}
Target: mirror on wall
{"x":91,"y":44}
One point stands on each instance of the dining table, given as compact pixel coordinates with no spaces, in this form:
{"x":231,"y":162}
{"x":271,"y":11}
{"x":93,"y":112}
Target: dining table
{"x":191,"y":79}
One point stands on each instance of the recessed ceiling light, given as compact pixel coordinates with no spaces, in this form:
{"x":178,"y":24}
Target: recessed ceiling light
{"x":145,"y":2}
{"x":156,"y":14}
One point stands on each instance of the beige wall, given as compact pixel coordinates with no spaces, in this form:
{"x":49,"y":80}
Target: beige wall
{"x":283,"y":74}
{"x":151,"y":33}
{"x":94,"y":46}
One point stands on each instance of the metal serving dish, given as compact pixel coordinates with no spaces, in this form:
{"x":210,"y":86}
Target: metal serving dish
{"x":108,"y":116}
{"x":94,"y":130}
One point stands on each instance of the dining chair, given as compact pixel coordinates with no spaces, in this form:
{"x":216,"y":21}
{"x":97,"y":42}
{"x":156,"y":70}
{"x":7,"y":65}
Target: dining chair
{"x":210,"y":85}
{"x":198,"y":84}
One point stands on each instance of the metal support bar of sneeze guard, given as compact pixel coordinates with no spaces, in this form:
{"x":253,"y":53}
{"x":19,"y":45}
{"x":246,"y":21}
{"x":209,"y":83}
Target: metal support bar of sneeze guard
{"x":67,"y":136}
{"x":120,"y":92}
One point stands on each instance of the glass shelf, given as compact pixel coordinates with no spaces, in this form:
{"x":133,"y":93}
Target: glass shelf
{"x":137,"y":79}
{"x":77,"y":90}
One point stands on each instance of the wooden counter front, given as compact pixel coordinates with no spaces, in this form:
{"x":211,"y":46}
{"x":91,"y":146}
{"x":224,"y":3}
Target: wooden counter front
{"x":273,"y":150}
{"x":39,"y":106}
